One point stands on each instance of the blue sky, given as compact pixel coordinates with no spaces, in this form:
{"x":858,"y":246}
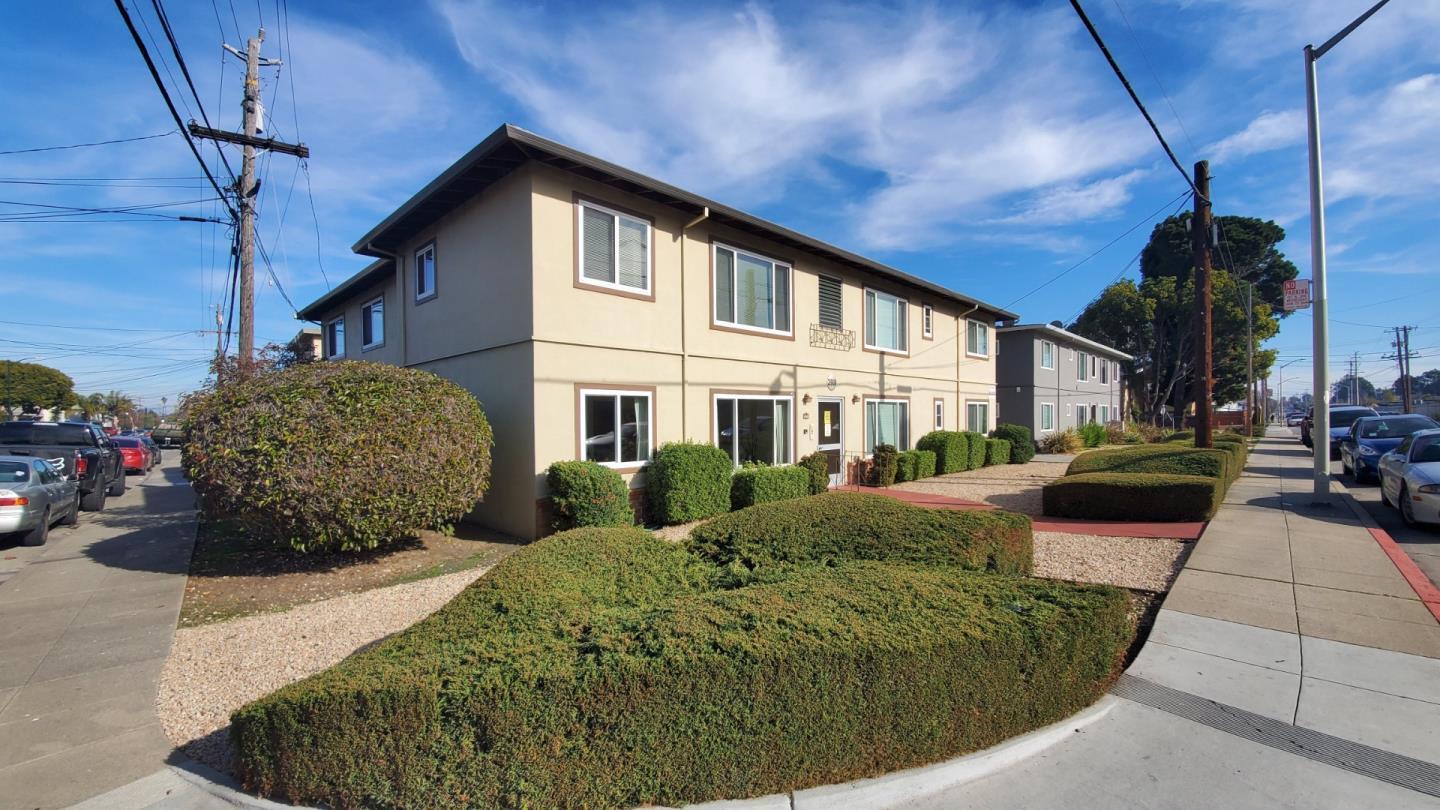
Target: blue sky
{"x":984,"y":146}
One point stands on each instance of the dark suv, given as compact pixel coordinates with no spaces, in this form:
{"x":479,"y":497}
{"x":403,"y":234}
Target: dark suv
{"x":1341,"y":418}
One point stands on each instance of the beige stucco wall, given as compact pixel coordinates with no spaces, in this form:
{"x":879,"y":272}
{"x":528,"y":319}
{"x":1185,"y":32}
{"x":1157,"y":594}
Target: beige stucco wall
{"x":391,"y":350}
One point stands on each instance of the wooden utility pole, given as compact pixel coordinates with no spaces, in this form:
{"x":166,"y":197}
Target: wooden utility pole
{"x":247,"y":192}
{"x":1200,"y":238}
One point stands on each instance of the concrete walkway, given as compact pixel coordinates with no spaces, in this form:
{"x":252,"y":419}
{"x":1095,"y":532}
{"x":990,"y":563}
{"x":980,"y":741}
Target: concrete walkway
{"x":85,"y":625}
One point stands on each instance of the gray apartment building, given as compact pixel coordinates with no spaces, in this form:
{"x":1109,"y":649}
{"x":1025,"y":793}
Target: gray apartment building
{"x":1049,"y":379}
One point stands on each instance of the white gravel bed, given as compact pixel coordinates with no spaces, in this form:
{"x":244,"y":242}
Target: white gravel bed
{"x":1145,"y":563}
{"x":217,"y":668}
{"x":1014,"y":487}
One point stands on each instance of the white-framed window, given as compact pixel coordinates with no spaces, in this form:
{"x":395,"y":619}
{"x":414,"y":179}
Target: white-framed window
{"x":1082,"y":366}
{"x":885,"y":322}
{"x":887,"y":421}
{"x":335,"y":338}
{"x":425,"y":273}
{"x":1047,"y":354}
{"x":1115,"y":372}
{"x":977,"y":417}
{"x":615,"y":426}
{"x":1104,"y":372}
{"x":615,"y":249}
{"x":1047,"y":416}
{"x":977,"y":339}
{"x":372,"y":324}
{"x":927,"y":320}
{"x":1104,"y":413}
{"x":754,"y":427}
{"x":939,"y":414}
{"x":751,"y":291}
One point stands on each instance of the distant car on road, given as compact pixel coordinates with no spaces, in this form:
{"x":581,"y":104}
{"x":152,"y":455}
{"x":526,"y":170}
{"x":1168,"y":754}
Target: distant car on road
{"x":136,"y":455}
{"x":34,"y":495}
{"x":1294,"y":419}
{"x":156,"y":454}
{"x":1371,"y":437}
{"x":1410,"y":478}
{"x":1341,"y":418}
{"x":168,"y":436}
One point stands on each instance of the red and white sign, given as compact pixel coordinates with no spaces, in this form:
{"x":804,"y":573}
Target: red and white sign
{"x":1297,"y":294}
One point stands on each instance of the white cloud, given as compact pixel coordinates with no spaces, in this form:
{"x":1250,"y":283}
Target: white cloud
{"x":1268,"y":131}
{"x":1077,"y":202}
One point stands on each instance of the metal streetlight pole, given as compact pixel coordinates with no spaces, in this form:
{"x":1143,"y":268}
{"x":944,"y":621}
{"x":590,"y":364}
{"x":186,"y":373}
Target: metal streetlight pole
{"x":1320,"y":425}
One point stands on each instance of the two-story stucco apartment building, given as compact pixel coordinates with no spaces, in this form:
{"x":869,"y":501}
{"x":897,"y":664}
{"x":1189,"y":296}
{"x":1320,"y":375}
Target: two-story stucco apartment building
{"x":1051,"y":379}
{"x":597,"y":313}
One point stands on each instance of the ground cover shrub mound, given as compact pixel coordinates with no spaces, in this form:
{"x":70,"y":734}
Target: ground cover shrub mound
{"x":1155,"y":458}
{"x":818,"y":467}
{"x":882,"y":471}
{"x":314,"y":457}
{"x":1065,"y":442}
{"x":1022,"y":444}
{"x":688,"y":481}
{"x":997,"y":451}
{"x":761,"y":484}
{"x":975,"y":450}
{"x":951,"y":449}
{"x":602,"y":668}
{"x":858,"y":526}
{"x":588,"y":494}
{"x":1092,"y":434}
{"x":1133,"y":496}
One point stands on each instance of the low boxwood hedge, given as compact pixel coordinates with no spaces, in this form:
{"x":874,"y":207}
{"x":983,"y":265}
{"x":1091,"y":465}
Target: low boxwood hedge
{"x":924,"y":463}
{"x":1155,"y":458}
{"x":913,"y":465}
{"x":602,"y":668}
{"x":584,"y":493}
{"x":818,"y":466}
{"x":975,"y":447}
{"x":951,"y":449}
{"x":1022,"y":443}
{"x":883,"y":470}
{"x":760,"y":484}
{"x":1134,"y":496}
{"x":850,"y":526}
{"x":997,"y":451}
{"x":688,"y":481}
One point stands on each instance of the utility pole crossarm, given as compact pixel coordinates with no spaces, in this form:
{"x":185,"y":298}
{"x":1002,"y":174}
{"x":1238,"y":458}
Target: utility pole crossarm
{"x":299,"y":150}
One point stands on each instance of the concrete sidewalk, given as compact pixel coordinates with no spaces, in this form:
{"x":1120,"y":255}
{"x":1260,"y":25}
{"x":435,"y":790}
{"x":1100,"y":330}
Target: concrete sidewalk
{"x":85,"y":625}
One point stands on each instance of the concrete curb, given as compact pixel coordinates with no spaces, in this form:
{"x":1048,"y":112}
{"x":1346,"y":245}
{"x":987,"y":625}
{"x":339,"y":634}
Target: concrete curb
{"x":1425,"y":590}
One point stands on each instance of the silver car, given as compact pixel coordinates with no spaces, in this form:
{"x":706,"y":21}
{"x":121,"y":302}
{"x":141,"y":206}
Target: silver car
{"x":33,"y":495}
{"x":1410,"y":478}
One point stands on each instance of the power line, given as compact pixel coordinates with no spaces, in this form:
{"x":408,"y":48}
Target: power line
{"x":81,"y":145}
{"x":185,"y":71}
{"x":97,"y":328}
{"x":1133,"y":97}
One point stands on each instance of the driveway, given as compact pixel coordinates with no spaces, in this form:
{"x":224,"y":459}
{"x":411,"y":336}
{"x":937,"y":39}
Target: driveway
{"x":85,"y":624}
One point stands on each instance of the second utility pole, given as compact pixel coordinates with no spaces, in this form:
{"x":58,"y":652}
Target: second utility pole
{"x":1204,"y":340}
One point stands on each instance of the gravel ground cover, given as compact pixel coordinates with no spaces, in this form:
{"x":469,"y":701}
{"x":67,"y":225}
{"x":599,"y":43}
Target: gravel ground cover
{"x":1139,"y":563}
{"x":216,"y":668}
{"x":1015,"y":487}
{"x":678,"y":532}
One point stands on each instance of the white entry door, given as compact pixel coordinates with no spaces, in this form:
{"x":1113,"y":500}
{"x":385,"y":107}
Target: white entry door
{"x":830,"y":435}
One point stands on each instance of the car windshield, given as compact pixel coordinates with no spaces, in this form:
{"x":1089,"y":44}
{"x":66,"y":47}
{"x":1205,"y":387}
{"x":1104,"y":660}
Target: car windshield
{"x":44,"y":433}
{"x":13,"y":472}
{"x":1426,"y":449}
{"x":1394,"y":427}
{"x":1344,"y":419}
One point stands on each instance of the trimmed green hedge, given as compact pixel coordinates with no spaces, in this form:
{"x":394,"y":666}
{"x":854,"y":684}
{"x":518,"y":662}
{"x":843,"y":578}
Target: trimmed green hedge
{"x":817,"y":465}
{"x":883,"y":471}
{"x":1155,"y":458}
{"x":1134,"y":496}
{"x":913,"y":465}
{"x":760,"y":484}
{"x":851,"y":526}
{"x":924,"y":463}
{"x":588,"y":494}
{"x":602,"y":668}
{"x":951,"y":449}
{"x":688,"y":481}
{"x":997,"y":451}
{"x":1022,"y":443}
{"x":975,"y":450}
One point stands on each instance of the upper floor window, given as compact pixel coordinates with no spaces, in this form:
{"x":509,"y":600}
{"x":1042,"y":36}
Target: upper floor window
{"x":1104,"y":372}
{"x":1082,"y":366}
{"x":977,"y":339}
{"x":372,"y":323}
{"x":885,"y":322}
{"x":1115,"y":371}
{"x":335,"y":338}
{"x":751,"y":291}
{"x":1047,"y":354}
{"x":832,"y":302}
{"x":614,"y":249}
{"x":425,"y":273}
{"x":927,"y":321}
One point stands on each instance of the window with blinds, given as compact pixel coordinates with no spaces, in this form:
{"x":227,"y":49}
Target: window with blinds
{"x":885,"y":323}
{"x":614,"y":249}
{"x":832,"y":302}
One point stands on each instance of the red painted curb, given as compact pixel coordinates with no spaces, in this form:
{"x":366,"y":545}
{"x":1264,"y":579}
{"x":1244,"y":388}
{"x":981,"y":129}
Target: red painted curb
{"x":1421,"y":584}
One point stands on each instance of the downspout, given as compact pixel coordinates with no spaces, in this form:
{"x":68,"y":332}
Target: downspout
{"x":684,"y":350}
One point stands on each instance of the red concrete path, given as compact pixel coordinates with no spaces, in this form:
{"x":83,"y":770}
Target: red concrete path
{"x":1105,"y":528}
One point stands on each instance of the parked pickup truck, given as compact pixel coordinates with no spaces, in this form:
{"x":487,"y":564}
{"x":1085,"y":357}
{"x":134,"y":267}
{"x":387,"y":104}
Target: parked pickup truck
{"x":90,"y":458}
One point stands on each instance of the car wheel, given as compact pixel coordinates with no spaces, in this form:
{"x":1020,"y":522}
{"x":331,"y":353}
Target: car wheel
{"x":38,"y":535}
{"x":1407,"y":512}
{"x":93,"y":501}
{"x":118,"y":487}
{"x":73,"y":516}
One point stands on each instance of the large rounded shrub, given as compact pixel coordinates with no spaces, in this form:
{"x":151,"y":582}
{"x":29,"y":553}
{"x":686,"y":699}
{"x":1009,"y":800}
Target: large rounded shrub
{"x":338,"y":455}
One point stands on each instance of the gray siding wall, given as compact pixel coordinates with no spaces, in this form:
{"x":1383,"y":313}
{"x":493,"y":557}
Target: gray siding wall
{"x":1023,"y":386}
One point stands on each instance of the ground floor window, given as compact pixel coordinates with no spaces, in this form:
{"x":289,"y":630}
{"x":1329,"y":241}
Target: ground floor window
{"x":939,"y":414}
{"x":1104,"y":414}
{"x":887,"y":421}
{"x":977,"y":417}
{"x":615,"y":426}
{"x":754,"y":428}
{"x":1047,"y":416}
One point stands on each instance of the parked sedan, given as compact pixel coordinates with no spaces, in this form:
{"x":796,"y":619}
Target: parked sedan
{"x":33,"y":495}
{"x":135,"y":453}
{"x":156,"y":454}
{"x":1410,"y":478}
{"x":1341,"y":418}
{"x":1371,"y":437}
